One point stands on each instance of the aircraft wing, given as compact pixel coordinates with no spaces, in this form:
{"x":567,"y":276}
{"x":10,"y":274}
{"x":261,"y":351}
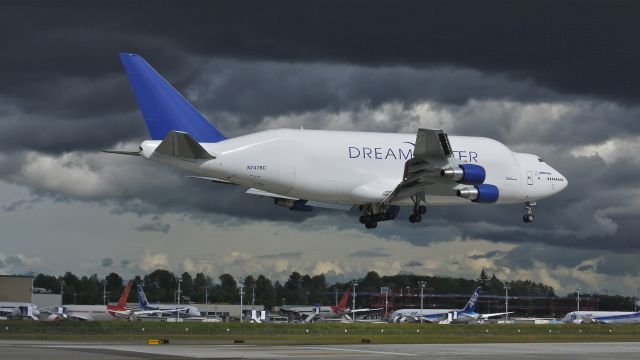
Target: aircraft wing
{"x":358,"y":311}
{"x":432,"y":152}
{"x":156,"y":312}
{"x":487,"y":316}
{"x":78,"y":317}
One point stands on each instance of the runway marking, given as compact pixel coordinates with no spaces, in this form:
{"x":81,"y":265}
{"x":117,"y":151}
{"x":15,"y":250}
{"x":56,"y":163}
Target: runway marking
{"x":360,"y":351}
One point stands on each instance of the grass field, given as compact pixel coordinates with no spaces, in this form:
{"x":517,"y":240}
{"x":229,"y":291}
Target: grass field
{"x":124,"y":331}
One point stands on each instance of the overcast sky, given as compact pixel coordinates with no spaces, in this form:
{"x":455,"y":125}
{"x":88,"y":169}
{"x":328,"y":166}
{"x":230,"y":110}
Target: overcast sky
{"x":558,"y":79}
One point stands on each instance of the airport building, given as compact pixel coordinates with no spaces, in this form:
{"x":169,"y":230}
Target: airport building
{"x":19,"y":288}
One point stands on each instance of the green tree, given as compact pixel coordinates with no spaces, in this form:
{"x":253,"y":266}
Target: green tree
{"x":483,"y":279}
{"x":494,"y":286}
{"x":187,"y":287}
{"x":265,"y":292}
{"x":48,"y":282}
{"x":201,"y":285}
{"x":227,"y":291}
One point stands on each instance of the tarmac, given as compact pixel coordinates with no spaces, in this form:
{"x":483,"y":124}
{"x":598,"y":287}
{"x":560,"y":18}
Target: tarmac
{"x":22,"y":350}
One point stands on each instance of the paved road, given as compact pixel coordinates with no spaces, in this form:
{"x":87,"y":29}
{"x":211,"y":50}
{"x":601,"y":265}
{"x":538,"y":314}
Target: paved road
{"x":71,"y":351}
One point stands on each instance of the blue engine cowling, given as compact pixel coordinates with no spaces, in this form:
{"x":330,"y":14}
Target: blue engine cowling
{"x":483,"y":193}
{"x":468,"y":174}
{"x":473,"y":174}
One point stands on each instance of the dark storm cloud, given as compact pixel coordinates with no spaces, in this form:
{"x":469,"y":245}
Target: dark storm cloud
{"x":488,"y":255}
{"x":106,"y":262}
{"x":154,"y":227}
{"x":583,"y":47}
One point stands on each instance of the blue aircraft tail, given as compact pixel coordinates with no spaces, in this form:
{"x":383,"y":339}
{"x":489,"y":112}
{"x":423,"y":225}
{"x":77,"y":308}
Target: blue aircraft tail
{"x":142,"y":298}
{"x":473,"y":302}
{"x":163,"y":108}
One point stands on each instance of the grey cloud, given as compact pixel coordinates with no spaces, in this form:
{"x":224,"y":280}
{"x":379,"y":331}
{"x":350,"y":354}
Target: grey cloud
{"x":284,"y":255}
{"x":371,"y":253}
{"x":125,"y":263}
{"x":106,"y":262}
{"x":488,"y":255}
{"x":413,"y":263}
{"x":154,"y":226}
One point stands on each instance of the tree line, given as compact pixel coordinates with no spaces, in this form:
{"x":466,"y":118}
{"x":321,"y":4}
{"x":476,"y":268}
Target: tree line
{"x":162,"y":286}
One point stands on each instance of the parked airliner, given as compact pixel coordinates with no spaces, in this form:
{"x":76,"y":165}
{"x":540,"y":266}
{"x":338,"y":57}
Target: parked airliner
{"x":602,"y":317}
{"x":95,"y":312}
{"x":147,"y":309}
{"x":445,"y":316}
{"x":301,"y":169}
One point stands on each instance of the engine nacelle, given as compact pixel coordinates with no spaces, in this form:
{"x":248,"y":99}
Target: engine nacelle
{"x":483,"y":193}
{"x":295,"y":205}
{"x":468,"y":174}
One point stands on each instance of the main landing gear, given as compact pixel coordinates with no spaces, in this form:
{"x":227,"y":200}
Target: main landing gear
{"x":372,"y":214}
{"x":528,"y":216}
{"x":418,"y":210}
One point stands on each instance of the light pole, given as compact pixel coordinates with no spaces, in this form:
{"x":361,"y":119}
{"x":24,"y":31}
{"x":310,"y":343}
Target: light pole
{"x":506,"y":301}
{"x":206,"y":295}
{"x":353,"y":308}
{"x":422,"y":285}
{"x":241,"y":296}
{"x":385,"y":290}
{"x":75,"y":296}
{"x":179,"y":291}
{"x":61,"y":292}
{"x":578,"y":312}
{"x":253,"y":294}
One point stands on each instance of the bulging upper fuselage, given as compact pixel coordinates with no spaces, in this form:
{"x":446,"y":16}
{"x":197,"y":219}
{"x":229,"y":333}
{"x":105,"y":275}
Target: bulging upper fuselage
{"x":359,"y":167}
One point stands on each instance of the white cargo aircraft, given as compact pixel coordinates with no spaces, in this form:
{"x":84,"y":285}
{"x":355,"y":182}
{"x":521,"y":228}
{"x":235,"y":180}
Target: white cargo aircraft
{"x":302,"y":169}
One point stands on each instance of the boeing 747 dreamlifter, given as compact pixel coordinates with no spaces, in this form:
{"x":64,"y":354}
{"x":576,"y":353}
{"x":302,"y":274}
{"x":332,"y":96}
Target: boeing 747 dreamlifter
{"x":302,"y":169}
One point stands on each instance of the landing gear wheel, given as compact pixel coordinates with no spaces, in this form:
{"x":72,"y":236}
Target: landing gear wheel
{"x":527,"y":218}
{"x":371,"y":225}
{"x":390,"y":215}
{"x":422,"y":209}
{"x":415,"y":218}
{"x":363,"y":219}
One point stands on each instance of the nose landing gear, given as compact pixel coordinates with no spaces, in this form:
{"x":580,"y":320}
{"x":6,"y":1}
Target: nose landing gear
{"x":528,"y":216}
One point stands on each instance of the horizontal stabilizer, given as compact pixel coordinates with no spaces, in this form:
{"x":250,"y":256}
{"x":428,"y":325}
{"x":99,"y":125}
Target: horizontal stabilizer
{"x":130,"y":153}
{"x":182,"y":145}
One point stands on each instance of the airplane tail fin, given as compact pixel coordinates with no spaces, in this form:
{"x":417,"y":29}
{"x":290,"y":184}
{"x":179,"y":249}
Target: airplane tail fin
{"x":163,"y":107}
{"x":473,"y":301}
{"x":344,"y":300}
{"x":122,"y":303}
{"x":142,"y":298}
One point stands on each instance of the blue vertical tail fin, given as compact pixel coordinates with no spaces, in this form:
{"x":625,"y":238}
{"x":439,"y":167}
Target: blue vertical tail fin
{"x":163,"y":108}
{"x":142,"y":298}
{"x":473,"y":302}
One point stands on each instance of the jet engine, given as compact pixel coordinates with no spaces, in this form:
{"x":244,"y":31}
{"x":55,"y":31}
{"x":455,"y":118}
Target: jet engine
{"x":468,"y":174}
{"x":483,"y":193}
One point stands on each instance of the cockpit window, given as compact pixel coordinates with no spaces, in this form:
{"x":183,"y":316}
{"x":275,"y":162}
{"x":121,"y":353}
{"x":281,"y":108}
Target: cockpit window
{"x":540,"y":160}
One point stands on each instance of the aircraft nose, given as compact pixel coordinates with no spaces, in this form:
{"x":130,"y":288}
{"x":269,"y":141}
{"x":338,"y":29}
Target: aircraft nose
{"x":563,"y":182}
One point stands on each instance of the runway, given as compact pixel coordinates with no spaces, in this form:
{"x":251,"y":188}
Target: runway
{"x":23,"y":350}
